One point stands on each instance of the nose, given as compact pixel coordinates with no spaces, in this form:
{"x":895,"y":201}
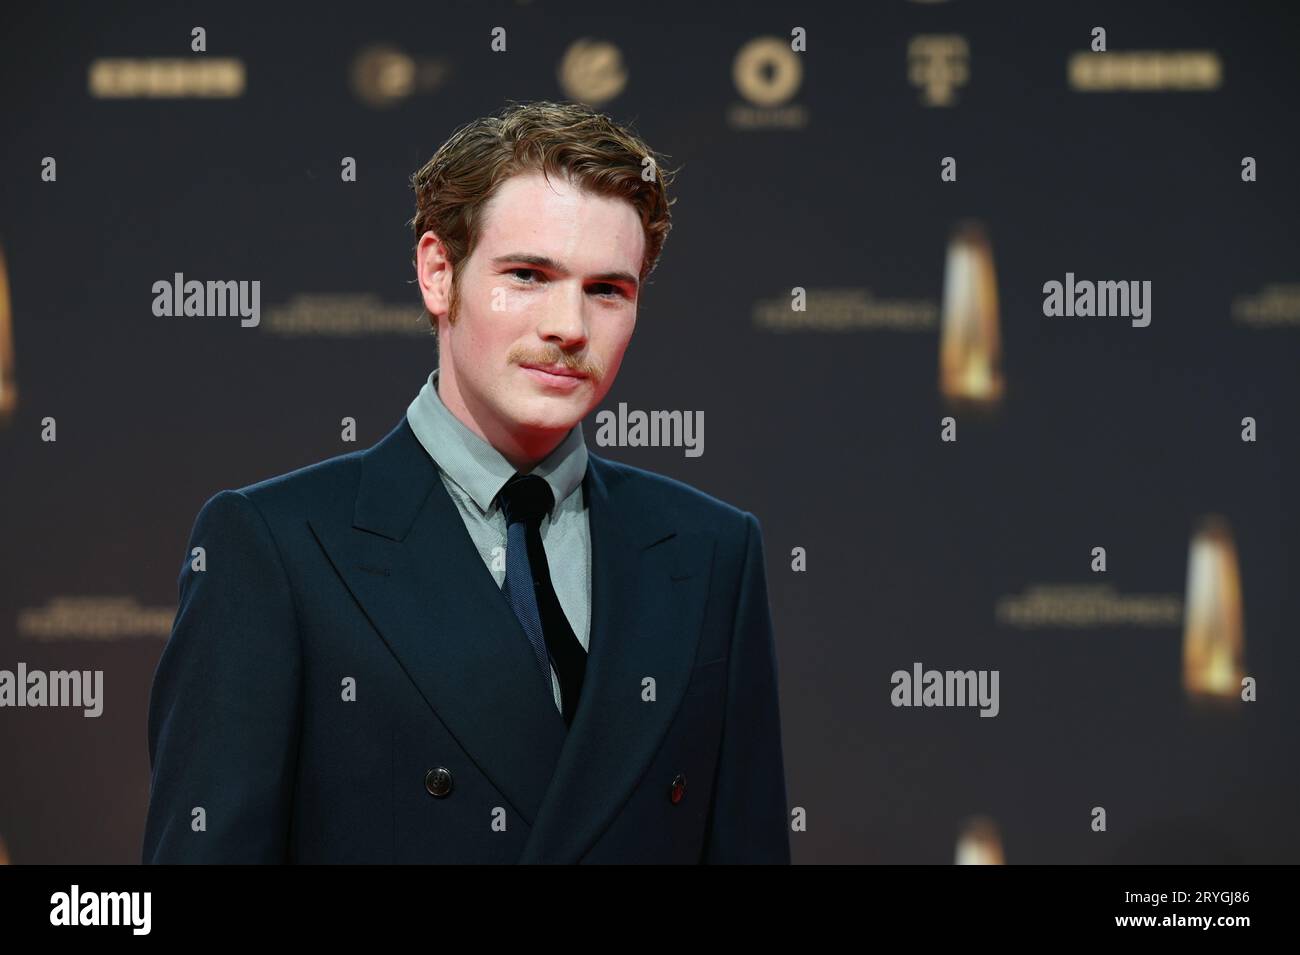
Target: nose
{"x":564,"y":322}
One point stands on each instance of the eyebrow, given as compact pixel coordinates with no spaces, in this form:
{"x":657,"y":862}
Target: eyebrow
{"x":546,"y":262}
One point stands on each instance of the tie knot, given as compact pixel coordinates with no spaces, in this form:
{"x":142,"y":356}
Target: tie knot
{"x":526,"y":497}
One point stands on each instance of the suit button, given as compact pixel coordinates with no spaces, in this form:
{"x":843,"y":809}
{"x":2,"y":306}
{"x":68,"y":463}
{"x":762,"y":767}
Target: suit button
{"x":438,"y":781}
{"x":678,"y":790}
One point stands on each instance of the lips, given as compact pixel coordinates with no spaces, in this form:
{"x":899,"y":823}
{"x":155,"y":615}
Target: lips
{"x":557,"y":370}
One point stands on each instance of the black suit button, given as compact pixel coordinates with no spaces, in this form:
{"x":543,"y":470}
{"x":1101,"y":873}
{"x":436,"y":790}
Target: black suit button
{"x":438,"y":781}
{"x":678,"y":790}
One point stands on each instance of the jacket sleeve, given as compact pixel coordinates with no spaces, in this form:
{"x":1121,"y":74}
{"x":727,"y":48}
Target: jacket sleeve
{"x":748,"y":820}
{"x":225,"y":703}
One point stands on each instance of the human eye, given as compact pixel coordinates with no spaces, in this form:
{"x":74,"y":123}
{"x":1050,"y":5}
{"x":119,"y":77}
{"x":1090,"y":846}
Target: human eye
{"x":613,"y":290}
{"x":527,"y":272}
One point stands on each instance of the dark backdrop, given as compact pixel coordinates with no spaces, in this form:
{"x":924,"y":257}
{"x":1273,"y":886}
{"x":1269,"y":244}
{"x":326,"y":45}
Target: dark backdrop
{"x":1108,"y":435}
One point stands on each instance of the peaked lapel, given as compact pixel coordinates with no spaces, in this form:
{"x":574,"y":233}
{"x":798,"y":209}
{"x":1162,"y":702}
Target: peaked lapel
{"x":411,"y":565}
{"x":649,"y":583}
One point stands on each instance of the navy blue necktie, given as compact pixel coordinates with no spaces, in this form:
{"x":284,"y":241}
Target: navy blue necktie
{"x":525,"y":500}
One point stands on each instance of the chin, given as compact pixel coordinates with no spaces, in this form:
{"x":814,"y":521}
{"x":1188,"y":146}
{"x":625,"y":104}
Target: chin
{"x":550,"y":414}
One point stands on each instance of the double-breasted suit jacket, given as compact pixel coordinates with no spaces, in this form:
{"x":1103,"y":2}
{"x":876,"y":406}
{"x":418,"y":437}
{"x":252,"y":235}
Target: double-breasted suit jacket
{"x":345,"y":682}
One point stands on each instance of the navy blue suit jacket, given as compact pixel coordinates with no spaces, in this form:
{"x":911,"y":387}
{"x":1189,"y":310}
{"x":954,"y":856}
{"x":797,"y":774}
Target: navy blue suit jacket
{"x":360,"y":568}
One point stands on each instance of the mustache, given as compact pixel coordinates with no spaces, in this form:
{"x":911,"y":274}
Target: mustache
{"x":576,"y":363}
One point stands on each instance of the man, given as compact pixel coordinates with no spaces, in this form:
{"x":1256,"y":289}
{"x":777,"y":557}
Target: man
{"x":476,"y":641}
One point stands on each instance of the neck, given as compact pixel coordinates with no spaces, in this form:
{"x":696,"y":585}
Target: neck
{"x":523,"y":449}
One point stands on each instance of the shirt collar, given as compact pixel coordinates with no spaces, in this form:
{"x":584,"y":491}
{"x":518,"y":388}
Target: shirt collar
{"x":480,"y":468}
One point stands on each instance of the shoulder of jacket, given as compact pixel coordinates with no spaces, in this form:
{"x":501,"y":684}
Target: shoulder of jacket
{"x":696,"y":508}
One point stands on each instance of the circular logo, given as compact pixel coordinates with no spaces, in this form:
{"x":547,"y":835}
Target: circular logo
{"x":767,"y":72}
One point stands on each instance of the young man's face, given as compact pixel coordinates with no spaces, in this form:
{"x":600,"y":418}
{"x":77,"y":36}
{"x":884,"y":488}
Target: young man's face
{"x":552,"y":282}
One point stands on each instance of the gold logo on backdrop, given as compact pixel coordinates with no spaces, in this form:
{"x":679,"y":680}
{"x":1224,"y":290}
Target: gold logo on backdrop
{"x":979,"y":843}
{"x":8,"y":386}
{"x":1087,"y":607}
{"x":845,"y":310}
{"x":768,"y":74}
{"x":1213,"y":634}
{"x":1274,"y":305}
{"x":328,"y":315}
{"x":970,"y":348}
{"x":592,"y":71}
{"x":1145,"y":70}
{"x":166,"y":78}
{"x":382,"y":76}
{"x":94,"y":618}
{"x":938,"y":64}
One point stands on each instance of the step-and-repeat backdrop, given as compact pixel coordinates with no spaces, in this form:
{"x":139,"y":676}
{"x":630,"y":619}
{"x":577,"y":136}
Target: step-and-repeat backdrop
{"x":993,"y":311}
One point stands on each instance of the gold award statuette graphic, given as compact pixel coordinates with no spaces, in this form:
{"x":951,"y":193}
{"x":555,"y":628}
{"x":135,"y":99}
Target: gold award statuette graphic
{"x":970,"y":346}
{"x":979,"y":843}
{"x":8,"y":387}
{"x":1214,"y":630}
